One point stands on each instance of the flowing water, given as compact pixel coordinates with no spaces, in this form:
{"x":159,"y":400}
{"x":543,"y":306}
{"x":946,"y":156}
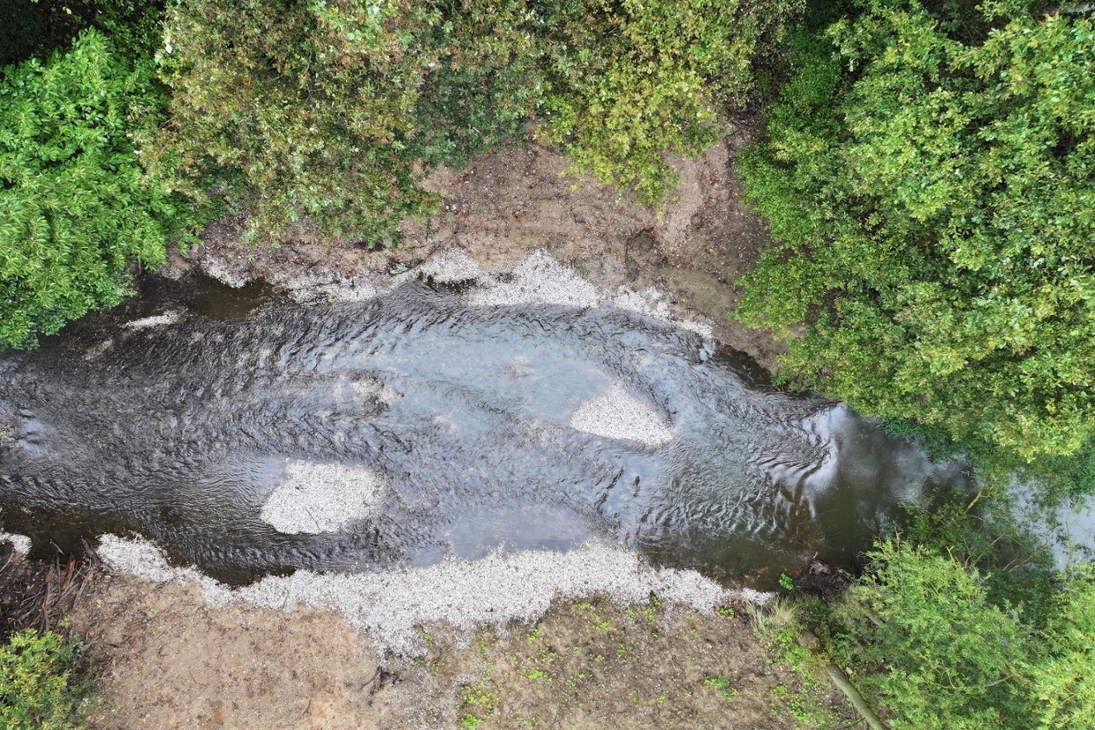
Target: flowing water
{"x":252,"y":435}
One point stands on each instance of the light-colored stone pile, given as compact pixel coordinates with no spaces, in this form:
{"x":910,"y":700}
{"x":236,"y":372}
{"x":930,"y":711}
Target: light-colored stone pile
{"x":495,"y":590}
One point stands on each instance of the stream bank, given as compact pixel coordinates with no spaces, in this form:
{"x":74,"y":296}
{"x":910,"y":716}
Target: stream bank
{"x":508,"y":204}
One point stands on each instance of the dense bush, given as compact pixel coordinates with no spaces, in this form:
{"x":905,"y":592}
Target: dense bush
{"x":952,"y":659}
{"x":39,"y":689}
{"x":931,"y":176}
{"x":36,"y":28}
{"x":926,"y":635}
{"x":327,"y":111}
{"x":75,"y":206}
{"x":327,"y":114}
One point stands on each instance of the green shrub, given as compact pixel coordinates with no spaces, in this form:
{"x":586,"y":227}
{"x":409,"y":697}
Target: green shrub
{"x":942,"y":644}
{"x":928,"y":171}
{"x":331,"y":112}
{"x":1064,"y":678}
{"x":625,"y":84}
{"x":952,"y":660}
{"x":38,"y":686}
{"x":36,"y":28}
{"x":76,"y":208}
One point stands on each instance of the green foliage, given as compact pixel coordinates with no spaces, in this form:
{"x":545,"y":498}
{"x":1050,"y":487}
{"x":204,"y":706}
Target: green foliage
{"x":330,"y":111}
{"x":75,"y":206}
{"x":932,"y":439}
{"x":31,"y":28}
{"x":1015,"y":568}
{"x":296,"y":110}
{"x":942,"y":644}
{"x":627,"y":83}
{"x":465,"y":110}
{"x":953,"y":660}
{"x":36,"y":28}
{"x":38,"y":687}
{"x":932,"y":179}
{"x":785,"y":582}
{"x":1076,"y":471}
{"x":1064,"y":680}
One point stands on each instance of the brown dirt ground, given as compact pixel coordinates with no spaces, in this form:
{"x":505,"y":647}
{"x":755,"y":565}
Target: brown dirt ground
{"x":508,"y":204}
{"x":167,"y":660}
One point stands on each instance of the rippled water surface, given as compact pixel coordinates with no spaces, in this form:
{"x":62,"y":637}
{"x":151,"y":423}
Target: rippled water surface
{"x":252,"y":435}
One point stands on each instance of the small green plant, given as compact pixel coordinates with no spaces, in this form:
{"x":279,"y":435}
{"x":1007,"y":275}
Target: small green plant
{"x":597,"y":622}
{"x":722,"y":686}
{"x":785,"y":582}
{"x":39,"y":683}
{"x":483,"y":702}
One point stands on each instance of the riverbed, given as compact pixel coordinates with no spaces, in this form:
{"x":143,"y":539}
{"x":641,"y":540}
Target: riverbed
{"x":441,"y":413}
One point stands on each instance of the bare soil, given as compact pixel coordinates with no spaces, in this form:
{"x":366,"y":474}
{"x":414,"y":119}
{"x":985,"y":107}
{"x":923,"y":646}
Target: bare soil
{"x":167,"y":660}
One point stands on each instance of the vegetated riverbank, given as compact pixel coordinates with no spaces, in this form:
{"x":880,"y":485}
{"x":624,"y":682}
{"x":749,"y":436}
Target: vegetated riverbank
{"x":168,"y":659}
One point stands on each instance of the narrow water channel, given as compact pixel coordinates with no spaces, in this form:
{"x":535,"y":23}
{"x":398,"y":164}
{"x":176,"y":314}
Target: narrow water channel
{"x":252,"y":435}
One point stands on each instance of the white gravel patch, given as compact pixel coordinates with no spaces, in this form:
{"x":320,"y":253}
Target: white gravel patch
{"x":317,"y":497}
{"x":21,"y":543}
{"x":328,"y":286}
{"x":223,"y":271}
{"x":619,"y":415}
{"x":651,"y":303}
{"x":95,"y":351}
{"x":451,"y":266}
{"x":160,"y":320}
{"x":539,"y":279}
{"x":374,"y":390}
{"x":495,"y":590}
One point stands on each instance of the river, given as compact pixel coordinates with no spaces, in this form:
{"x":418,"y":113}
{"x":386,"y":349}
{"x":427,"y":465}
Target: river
{"x":251,"y":435}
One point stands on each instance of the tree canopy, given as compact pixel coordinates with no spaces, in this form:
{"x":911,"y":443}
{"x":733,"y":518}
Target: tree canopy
{"x":75,"y":205}
{"x":331,"y":110}
{"x":931,"y":179}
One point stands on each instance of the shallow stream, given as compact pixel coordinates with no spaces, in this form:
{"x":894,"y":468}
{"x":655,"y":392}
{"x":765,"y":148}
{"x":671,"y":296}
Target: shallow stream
{"x":252,"y":435}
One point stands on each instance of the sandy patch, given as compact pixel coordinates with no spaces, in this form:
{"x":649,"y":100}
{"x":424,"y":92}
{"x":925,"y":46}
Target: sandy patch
{"x":168,"y":661}
{"x":619,"y":415}
{"x":318,"y":498}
